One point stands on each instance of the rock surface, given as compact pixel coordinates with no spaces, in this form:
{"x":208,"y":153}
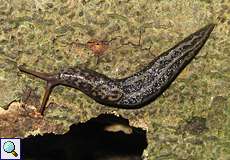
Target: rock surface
{"x":50,"y":35}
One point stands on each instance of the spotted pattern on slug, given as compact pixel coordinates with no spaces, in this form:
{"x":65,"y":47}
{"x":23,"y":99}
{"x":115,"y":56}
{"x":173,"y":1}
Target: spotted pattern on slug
{"x":151,"y":79}
{"x":137,"y":90}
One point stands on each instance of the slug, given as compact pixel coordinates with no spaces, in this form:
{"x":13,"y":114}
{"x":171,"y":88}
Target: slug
{"x":131,"y":92}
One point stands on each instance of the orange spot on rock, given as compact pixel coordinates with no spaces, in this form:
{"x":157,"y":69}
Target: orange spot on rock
{"x":97,"y":47}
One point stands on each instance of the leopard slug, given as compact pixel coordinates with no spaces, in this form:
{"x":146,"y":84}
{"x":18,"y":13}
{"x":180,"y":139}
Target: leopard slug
{"x":134,"y":91}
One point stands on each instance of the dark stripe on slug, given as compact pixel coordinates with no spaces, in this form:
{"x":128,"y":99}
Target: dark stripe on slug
{"x":137,"y":90}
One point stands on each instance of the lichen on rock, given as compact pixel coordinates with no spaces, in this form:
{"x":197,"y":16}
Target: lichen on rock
{"x":42,"y":35}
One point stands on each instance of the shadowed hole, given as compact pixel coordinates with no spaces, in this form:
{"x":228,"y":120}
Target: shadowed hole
{"x":106,"y":137}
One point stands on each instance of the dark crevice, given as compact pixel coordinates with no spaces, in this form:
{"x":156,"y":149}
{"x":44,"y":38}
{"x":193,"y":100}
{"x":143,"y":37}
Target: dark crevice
{"x":88,"y":141}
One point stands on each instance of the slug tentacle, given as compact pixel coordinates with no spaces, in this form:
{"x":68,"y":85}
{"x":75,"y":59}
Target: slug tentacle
{"x":51,"y":82}
{"x":48,"y":90}
{"x":134,"y":91}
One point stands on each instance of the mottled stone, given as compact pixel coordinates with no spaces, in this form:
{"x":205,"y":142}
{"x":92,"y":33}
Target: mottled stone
{"x":42,"y":34}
